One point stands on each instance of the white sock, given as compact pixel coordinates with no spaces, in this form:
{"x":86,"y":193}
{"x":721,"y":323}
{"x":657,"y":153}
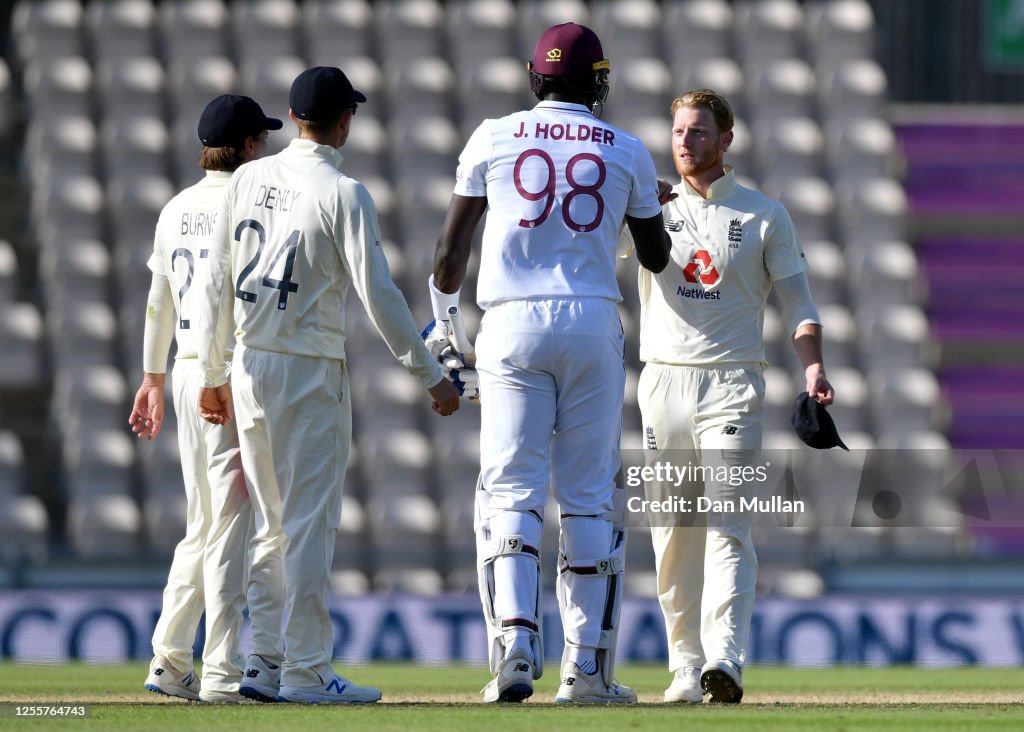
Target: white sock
{"x":585,"y":658}
{"x":521,"y":642}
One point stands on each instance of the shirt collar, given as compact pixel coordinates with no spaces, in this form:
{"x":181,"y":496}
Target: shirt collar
{"x":219,"y":174}
{"x":720,"y":189}
{"x":315,"y":149}
{"x":565,"y":107}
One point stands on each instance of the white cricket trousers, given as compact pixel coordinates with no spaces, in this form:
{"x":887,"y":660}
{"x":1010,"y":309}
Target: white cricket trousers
{"x":209,"y":566}
{"x":294,"y":416}
{"x":706,"y":573}
{"x":552,"y":380}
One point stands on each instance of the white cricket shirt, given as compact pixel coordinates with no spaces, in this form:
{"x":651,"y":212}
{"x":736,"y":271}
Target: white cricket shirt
{"x":181,"y":247}
{"x":559,"y":182}
{"x":707,"y":306}
{"x":298,"y":233}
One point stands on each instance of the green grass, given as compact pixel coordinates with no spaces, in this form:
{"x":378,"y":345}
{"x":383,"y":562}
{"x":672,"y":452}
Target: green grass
{"x":444,"y":698}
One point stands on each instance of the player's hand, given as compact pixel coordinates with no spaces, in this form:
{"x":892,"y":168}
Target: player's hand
{"x":445,"y":396}
{"x":665,"y":192}
{"x":215,"y":404}
{"x":147,"y":415}
{"x":818,"y":387}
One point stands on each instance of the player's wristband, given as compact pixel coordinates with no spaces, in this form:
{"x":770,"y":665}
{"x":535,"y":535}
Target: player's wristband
{"x":441,"y":301}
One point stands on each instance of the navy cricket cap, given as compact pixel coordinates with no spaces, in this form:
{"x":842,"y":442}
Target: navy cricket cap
{"x":813,"y":424}
{"x":322,"y":93}
{"x":568,"y":49}
{"x":230,"y":118}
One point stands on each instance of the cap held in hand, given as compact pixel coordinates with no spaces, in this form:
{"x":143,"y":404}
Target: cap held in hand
{"x":231,"y":118}
{"x":813,"y":424}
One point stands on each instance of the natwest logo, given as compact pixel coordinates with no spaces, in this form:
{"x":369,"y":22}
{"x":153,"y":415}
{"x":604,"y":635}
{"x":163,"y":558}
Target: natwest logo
{"x":700,"y":269}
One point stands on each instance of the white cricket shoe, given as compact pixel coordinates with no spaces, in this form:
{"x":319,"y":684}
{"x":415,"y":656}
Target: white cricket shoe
{"x":338,"y":690}
{"x":580,"y":688}
{"x":221,"y":696}
{"x":685,"y":687}
{"x":164,"y":679}
{"x":261,"y":680}
{"x":514,"y":681}
{"x":722,"y":681}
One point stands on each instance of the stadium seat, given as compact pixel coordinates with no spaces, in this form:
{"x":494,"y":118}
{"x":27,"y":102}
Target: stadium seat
{"x":490,"y":88}
{"x":408,"y":29}
{"x":789,"y":146}
{"x":767,"y":29}
{"x":65,"y":146}
{"x":906,"y":399}
{"x":883,"y":272}
{"x":24,"y":524}
{"x":268,"y":80}
{"x":8,"y":273}
{"x":695,"y":30}
{"x":91,"y":397}
{"x":895,"y":336}
{"x":80,"y":332}
{"x":336,"y":29}
{"x":536,"y":16}
{"x":839,"y":31}
{"x":136,"y":147}
{"x":419,"y":87}
{"x":131,"y":88}
{"x":21,"y":331}
{"x":862,"y":147}
{"x":58,"y":86}
{"x":627,"y":29}
{"x":262,"y":30}
{"x":479,"y":30}
{"x":872,"y":208}
{"x":193,"y":81}
{"x":780,"y":87}
{"x":7,"y":108}
{"x":192,"y":28}
{"x":47,"y":29}
{"x":641,"y":87}
{"x":809,"y":200}
{"x":120,"y":30}
{"x":720,"y":73}
{"x":104,"y":526}
{"x":854,"y":89}
{"x":826,"y":271}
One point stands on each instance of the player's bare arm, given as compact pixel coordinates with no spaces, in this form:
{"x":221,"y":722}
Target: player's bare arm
{"x":807,"y":343}
{"x":148,"y":410}
{"x":652,"y":242}
{"x":453,"y":245}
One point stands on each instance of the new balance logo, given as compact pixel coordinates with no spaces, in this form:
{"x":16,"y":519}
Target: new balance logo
{"x":569,"y":680}
{"x":729,"y":430}
{"x":524,"y":667}
{"x":252,"y":673}
{"x":158,"y":672}
{"x":337,"y":686}
{"x":674,"y":225}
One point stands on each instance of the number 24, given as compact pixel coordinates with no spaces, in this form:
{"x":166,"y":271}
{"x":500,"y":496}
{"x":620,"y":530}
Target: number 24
{"x":284,"y":285}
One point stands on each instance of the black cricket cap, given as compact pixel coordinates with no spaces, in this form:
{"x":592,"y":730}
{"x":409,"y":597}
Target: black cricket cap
{"x":322,"y":93}
{"x":230,"y":118}
{"x":813,"y":424}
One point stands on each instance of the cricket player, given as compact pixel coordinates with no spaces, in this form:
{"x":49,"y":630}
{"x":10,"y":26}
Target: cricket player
{"x":296,"y":234}
{"x":558,"y":183}
{"x":209,"y":565}
{"x":702,"y":386}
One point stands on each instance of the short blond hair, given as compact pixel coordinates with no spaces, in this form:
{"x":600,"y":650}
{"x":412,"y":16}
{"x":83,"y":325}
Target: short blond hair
{"x":710,"y":100}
